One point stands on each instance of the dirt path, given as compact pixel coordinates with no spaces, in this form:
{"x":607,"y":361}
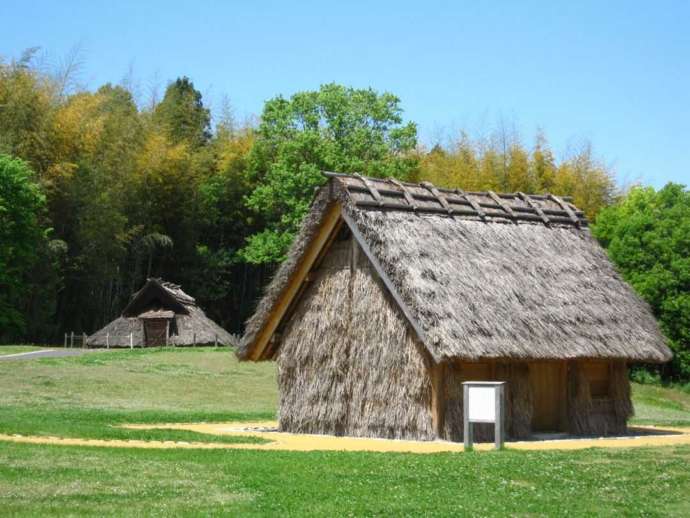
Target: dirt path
{"x":645,"y":437}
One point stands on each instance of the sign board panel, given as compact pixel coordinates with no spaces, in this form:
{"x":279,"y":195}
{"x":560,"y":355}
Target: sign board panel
{"x":482,"y":404}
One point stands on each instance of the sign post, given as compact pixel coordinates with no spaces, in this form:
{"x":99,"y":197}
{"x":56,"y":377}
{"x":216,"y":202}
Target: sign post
{"x":483,"y":402}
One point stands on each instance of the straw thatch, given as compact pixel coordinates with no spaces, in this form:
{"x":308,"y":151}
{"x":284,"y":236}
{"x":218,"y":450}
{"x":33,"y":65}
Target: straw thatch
{"x":444,"y":277}
{"x":480,"y":288}
{"x":159,"y":299}
{"x":332,"y":380}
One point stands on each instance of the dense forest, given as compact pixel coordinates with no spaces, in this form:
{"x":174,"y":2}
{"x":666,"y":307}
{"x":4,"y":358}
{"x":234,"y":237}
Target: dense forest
{"x":99,"y":191}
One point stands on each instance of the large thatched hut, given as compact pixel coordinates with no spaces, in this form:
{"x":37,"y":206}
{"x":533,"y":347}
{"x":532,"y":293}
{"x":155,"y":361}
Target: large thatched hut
{"x":393,"y":294}
{"x":160,"y":313}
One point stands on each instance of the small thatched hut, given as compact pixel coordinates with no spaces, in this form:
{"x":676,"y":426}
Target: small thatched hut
{"x":160,"y":313}
{"x":393,"y":294}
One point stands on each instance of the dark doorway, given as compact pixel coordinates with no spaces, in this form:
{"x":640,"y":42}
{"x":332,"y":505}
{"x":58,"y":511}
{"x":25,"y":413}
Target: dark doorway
{"x":155,"y":331}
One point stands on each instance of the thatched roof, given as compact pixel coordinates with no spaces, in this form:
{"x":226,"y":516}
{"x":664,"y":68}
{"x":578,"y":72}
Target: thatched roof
{"x":165,"y":294}
{"x":478,"y":275}
{"x":161,"y":299}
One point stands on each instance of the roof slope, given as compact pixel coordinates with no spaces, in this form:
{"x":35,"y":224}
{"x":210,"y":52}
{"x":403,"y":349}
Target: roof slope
{"x":168,"y":294}
{"x":484,"y":276}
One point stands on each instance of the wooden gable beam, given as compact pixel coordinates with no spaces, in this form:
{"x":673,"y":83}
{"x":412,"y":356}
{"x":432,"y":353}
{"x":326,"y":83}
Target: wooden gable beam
{"x":319,"y":241}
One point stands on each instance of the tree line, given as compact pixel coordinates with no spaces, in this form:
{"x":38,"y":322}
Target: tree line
{"x":121,"y":192}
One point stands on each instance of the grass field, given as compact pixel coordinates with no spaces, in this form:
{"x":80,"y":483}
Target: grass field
{"x":84,"y":396}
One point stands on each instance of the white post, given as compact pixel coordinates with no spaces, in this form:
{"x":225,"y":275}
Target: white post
{"x":107,"y":340}
{"x":71,"y":340}
{"x":131,"y":341}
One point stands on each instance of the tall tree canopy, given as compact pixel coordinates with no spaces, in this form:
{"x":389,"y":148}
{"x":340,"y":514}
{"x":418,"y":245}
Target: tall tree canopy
{"x":647,"y":235}
{"x":21,"y":238}
{"x":333,"y":129}
{"x":182,"y":114}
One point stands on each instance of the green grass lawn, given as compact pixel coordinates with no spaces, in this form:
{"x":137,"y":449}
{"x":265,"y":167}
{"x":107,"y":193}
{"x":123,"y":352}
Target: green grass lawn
{"x":14,"y":349}
{"x":89,"y":395}
{"x":661,"y":405}
{"x":85,"y":396}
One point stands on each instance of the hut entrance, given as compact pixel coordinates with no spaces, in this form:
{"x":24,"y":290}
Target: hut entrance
{"x":156,"y":331}
{"x":548,"y":383}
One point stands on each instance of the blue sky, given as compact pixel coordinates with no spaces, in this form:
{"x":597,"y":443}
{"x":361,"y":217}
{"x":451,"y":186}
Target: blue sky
{"x":616,"y":73}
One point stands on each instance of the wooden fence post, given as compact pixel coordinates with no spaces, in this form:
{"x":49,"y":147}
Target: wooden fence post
{"x":215,"y":344}
{"x":107,"y":340}
{"x":71,"y":340}
{"x":83,"y":340}
{"x":167,"y":332}
{"x":193,"y":339}
{"x":65,"y":340}
{"x":131,"y":341}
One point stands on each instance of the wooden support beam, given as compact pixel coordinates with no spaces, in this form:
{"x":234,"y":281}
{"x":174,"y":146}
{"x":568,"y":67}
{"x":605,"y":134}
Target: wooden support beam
{"x":535,"y":207}
{"x":371,"y":188}
{"x":504,"y":206}
{"x":439,"y":197}
{"x":438,"y":398}
{"x":317,"y":244}
{"x":566,"y":209}
{"x":480,"y":212}
{"x":406,"y":193}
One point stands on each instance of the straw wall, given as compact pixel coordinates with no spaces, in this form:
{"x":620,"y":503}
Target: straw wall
{"x":605,"y":415}
{"x":348,"y":362}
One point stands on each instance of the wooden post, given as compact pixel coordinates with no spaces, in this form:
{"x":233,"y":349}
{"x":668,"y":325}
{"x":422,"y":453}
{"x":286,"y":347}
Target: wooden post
{"x":467,"y":426}
{"x":131,"y":341}
{"x":215,"y":343}
{"x":83,"y":340}
{"x":193,"y":339}
{"x":65,"y":340}
{"x":499,"y":429}
{"x":437,"y":398}
{"x":107,"y":340}
{"x":167,"y":332}
{"x":71,"y":340}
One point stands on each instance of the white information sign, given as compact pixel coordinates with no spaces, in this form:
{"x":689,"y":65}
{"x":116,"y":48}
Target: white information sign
{"x":482,"y":404}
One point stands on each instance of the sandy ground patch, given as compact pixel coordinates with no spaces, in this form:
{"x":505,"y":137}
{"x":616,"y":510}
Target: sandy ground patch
{"x":642,"y":437}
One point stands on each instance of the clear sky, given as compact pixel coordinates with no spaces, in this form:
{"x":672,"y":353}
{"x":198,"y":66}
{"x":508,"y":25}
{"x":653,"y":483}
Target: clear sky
{"x":616,"y":73}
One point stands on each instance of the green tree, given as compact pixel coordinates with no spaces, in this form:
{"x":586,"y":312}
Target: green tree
{"x":647,"y":235}
{"x":22,"y":236}
{"x":182,"y":114}
{"x":335,"y":128}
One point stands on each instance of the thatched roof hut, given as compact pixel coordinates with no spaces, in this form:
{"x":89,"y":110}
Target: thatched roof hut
{"x":395,"y":293}
{"x":160,"y":313}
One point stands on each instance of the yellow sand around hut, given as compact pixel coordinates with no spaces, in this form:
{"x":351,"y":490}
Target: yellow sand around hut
{"x":642,"y":436}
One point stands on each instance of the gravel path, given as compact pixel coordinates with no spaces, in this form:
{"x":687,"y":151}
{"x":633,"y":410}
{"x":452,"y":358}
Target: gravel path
{"x":45,"y":353}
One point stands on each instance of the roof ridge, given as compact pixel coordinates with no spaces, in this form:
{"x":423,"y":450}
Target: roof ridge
{"x":393,"y":194}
